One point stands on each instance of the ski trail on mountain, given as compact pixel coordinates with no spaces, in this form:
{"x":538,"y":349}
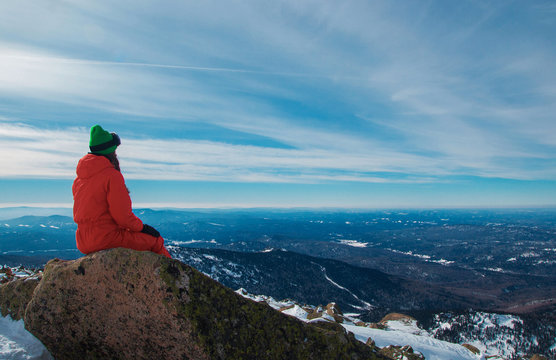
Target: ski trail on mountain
{"x":323,"y":269}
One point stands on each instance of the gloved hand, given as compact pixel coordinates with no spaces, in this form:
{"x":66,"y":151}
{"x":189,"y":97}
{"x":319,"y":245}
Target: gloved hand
{"x":147,"y":229}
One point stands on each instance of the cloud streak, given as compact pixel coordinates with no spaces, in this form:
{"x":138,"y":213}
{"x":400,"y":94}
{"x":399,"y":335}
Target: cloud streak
{"x":54,"y":154}
{"x":70,"y":61}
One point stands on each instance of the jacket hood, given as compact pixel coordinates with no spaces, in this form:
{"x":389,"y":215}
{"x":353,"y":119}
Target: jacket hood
{"x":91,"y":164}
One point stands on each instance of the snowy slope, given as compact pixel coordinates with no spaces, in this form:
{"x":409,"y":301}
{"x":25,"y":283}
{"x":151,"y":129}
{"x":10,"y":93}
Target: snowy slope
{"x":499,"y":334}
{"x":16,"y":343}
{"x":396,"y":332}
{"x":431,"y":348}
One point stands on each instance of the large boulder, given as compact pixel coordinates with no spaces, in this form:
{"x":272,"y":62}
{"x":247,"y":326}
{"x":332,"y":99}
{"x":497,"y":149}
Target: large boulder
{"x":124,"y":304}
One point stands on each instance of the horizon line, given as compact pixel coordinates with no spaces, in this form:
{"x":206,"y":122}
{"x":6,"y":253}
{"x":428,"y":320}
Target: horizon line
{"x":171,"y":206}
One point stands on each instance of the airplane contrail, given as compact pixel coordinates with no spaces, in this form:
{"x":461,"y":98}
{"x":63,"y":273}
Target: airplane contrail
{"x":161,"y":66}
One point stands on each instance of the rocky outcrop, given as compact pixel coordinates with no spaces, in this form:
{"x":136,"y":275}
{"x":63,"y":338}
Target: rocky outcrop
{"x":383,"y":323}
{"x":401,"y":353}
{"x":16,"y":294}
{"x":122,"y":304}
{"x":333,"y":310}
{"x":472,"y":348}
{"x":537,"y":357}
{"x":396,"y":317}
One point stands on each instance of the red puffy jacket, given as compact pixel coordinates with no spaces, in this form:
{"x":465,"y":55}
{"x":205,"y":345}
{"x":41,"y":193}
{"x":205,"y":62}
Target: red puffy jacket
{"x":102,"y":210}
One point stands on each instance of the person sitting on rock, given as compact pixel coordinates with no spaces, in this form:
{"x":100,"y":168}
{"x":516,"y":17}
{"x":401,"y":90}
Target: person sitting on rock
{"x":101,"y":202}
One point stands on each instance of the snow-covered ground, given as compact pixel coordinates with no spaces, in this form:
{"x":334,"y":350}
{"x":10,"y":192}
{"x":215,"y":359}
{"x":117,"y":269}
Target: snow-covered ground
{"x":431,"y":348}
{"x":16,"y":343}
{"x":475,"y":328}
{"x":396,"y":332}
{"x":15,"y":272}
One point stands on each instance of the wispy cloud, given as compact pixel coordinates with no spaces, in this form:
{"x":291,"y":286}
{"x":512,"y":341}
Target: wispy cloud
{"x":54,"y":154}
{"x":48,"y":60}
{"x":357,"y":91}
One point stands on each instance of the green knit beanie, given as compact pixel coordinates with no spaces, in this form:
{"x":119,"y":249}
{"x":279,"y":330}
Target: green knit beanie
{"x":102,"y":142}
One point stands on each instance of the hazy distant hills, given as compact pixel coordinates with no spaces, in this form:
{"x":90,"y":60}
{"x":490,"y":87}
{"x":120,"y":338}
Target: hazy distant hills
{"x":504,"y":258}
{"x":33,"y":240}
{"x":16,"y":212}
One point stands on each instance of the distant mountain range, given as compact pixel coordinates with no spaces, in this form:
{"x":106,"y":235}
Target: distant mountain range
{"x":7,"y":213}
{"x":503,"y":258}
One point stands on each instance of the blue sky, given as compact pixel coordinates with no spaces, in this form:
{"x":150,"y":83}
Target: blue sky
{"x":286,"y":103}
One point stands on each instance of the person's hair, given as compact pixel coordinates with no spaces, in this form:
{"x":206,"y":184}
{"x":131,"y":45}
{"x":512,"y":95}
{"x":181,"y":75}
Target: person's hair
{"x":113,"y":158}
